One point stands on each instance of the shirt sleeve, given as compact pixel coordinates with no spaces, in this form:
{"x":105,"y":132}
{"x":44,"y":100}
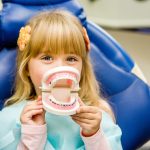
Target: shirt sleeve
{"x":108,"y":137}
{"x":32,"y":137}
{"x":96,"y":141}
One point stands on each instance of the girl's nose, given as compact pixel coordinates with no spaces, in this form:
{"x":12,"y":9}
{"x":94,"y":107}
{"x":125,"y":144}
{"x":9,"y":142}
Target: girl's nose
{"x":60,"y":62}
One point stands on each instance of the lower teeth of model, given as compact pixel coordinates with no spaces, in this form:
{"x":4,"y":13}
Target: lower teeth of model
{"x":70,"y":104}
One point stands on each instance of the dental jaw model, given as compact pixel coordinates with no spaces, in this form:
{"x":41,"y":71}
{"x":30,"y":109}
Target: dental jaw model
{"x":60,"y":88}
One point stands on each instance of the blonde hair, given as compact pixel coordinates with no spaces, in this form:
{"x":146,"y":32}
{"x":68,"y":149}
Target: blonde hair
{"x":55,"y":32}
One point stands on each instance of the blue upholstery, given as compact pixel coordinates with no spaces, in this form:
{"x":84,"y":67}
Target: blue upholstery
{"x":128,"y":95}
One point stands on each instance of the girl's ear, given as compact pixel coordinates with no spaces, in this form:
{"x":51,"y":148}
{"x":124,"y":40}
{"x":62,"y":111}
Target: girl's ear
{"x":86,"y":38}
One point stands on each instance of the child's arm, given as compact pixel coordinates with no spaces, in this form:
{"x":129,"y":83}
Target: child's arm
{"x":32,"y":137}
{"x":97,"y":128}
{"x":33,"y":128}
{"x":96,"y":141}
{"x":91,"y":132}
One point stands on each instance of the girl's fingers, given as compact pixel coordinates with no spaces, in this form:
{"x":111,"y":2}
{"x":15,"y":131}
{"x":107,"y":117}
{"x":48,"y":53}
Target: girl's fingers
{"x":36,"y":104}
{"x":32,"y":113}
{"x":32,"y":107}
{"x":31,"y":103}
{"x":87,"y":121}
{"x":82,"y":124}
{"x":88,"y":109}
{"x":89,"y":126}
{"x":39,"y":102}
{"x":39,"y":97}
{"x":89,"y":116}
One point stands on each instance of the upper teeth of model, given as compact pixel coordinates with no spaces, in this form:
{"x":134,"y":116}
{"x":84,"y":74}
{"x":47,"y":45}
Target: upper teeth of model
{"x":60,"y":76}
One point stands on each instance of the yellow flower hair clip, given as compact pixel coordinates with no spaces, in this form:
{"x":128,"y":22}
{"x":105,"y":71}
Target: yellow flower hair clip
{"x":24,"y":37}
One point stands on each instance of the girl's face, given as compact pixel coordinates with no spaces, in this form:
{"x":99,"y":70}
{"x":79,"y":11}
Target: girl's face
{"x":43,"y":62}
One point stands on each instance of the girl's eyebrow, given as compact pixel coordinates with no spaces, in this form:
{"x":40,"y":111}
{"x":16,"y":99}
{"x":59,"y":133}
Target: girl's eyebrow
{"x":46,"y":52}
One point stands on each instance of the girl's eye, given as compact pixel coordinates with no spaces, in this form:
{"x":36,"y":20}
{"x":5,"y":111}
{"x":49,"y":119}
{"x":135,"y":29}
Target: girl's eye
{"x":71,"y":59}
{"x":47,"y":58}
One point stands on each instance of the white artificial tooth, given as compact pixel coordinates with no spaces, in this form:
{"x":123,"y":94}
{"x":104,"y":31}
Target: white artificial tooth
{"x":70,"y":76}
{"x":59,"y":77}
{"x":65,"y":73}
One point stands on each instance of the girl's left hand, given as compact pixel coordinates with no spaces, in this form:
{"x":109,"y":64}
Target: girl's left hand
{"x":89,"y":118}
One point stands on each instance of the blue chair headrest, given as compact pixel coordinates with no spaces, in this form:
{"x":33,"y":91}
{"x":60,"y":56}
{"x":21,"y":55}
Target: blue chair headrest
{"x":12,"y":21}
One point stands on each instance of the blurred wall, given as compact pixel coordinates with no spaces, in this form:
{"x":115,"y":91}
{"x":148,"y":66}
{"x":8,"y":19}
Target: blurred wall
{"x":118,"y":13}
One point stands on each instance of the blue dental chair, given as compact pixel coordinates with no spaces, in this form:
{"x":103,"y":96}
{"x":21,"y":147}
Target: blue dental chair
{"x":127,"y":92}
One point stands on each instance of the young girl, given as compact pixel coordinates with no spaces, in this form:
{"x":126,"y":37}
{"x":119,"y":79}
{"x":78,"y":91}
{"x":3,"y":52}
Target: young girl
{"x":53,"y":39}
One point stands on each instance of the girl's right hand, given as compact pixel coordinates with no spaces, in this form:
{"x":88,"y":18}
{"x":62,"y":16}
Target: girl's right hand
{"x":33,"y":113}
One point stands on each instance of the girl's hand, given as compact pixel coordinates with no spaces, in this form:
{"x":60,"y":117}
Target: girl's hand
{"x":89,"y":119}
{"x":33,"y":113}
